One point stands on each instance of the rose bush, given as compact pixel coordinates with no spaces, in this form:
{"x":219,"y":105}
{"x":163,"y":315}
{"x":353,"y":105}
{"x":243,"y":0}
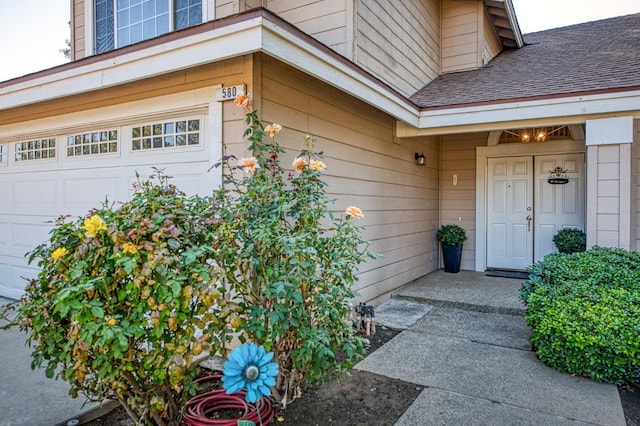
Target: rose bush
{"x":126,"y":301}
{"x":288,"y":261}
{"x":129,"y":299}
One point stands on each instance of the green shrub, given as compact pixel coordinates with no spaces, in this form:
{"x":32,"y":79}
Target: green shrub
{"x":584,"y":313}
{"x":451,"y":235}
{"x":570,"y":240}
{"x":121,"y":293}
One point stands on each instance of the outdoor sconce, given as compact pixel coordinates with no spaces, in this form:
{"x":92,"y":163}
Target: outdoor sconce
{"x":420,"y":161}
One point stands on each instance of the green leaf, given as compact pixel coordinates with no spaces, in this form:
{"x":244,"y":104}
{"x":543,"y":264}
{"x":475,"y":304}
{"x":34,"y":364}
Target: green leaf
{"x":97,"y":312}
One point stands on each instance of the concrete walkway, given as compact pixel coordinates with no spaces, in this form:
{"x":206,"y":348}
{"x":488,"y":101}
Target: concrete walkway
{"x":27,"y":397}
{"x":468,"y":345}
{"x":463,"y":338}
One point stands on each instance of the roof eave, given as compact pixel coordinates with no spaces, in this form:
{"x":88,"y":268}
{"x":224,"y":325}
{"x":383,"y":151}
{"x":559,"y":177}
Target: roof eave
{"x":253,"y":31}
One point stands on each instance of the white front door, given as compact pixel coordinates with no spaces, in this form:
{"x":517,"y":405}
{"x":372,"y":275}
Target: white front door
{"x":557,"y":206}
{"x":525,"y":211}
{"x":510,"y":207}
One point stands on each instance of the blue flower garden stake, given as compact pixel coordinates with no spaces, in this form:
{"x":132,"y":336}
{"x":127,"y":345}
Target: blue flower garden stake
{"x":249,"y":367}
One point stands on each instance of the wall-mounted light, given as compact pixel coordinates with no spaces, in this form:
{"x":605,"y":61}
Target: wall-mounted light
{"x":420,"y":161}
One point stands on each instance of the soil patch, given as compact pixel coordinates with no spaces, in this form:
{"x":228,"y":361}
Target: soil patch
{"x":364,"y":399}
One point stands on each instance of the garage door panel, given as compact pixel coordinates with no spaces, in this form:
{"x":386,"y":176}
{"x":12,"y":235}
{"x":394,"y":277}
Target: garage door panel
{"x":80,"y":192}
{"x":26,"y":236}
{"x":33,"y":193}
{"x":14,"y":278}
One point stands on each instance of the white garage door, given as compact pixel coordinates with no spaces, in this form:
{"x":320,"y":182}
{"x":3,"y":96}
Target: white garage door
{"x":69,"y":173}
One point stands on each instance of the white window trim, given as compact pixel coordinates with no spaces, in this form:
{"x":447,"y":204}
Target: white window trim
{"x":208,"y":14}
{"x":128,"y":138}
{"x":89,"y":157}
{"x":34,"y":162}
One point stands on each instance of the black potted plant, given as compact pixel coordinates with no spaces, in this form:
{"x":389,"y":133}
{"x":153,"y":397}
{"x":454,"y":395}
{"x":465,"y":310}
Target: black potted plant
{"x":451,"y":237}
{"x":570,"y":240}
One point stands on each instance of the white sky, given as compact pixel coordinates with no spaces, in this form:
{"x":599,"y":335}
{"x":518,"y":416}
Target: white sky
{"x":33,"y":31}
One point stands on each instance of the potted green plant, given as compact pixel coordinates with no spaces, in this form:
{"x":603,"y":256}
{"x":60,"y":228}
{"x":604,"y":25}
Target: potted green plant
{"x":451,"y":238}
{"x":570,"y":240}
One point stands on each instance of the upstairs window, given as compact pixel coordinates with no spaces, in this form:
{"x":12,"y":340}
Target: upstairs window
{"x":123,"y":22}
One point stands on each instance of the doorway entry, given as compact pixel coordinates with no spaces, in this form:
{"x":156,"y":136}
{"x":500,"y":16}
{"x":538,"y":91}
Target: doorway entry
{"x":526,"y":207}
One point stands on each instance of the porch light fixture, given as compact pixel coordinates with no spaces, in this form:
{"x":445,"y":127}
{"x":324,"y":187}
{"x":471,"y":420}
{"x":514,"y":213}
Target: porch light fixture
{"x":535,"y":134}
{"x":420,"y":160}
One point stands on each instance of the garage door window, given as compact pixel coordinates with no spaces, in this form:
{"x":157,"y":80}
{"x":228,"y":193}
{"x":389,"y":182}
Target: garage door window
{"x":93,"y":143}
{"x":169,"y":134}
{"x":39,"y":149}
{"x":3,"y":155}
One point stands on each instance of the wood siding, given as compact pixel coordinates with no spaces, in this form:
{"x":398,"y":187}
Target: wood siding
{"x":460,"y":35}
{"x":399,"y":42}
{"x":228,"y":73}
{"x":491,"y":45}
{"x":328,"y":21}
{"x":458,"y":202}
{"x":78,"y":35}
{"x":364,"y":168}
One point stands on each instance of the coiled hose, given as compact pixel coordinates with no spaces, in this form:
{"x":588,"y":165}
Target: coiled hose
{"x":201,"y":408}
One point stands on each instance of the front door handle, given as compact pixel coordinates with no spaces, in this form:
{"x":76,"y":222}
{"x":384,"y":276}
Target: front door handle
{"x":529,"y":219}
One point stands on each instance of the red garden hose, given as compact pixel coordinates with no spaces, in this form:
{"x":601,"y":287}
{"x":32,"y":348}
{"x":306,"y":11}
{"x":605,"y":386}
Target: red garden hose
{"x":201,"y":408}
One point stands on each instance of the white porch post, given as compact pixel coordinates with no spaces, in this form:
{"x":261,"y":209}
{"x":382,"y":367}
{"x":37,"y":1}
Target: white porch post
{"x":609,"y":182}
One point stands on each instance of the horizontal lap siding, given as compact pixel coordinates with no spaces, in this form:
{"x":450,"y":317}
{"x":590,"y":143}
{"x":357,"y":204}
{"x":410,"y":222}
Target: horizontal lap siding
{"x":458,"y":202}
{"x":227,"y":73}
{"x":492,"y":44}
{"x":399,"y":42}
{"x":364,"y":168}
{"x":459,"y":35}
{"x":328,"y":21}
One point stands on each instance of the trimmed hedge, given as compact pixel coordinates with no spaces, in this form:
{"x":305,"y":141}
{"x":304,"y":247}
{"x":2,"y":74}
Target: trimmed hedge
{"x":584,"y":313}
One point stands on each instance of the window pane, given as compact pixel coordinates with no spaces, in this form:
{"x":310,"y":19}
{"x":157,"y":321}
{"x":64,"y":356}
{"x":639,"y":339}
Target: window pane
{"x":136,"y":33}
{"x":149,"y":29}
{"x":123,"y":18}
{"x":162,"y":24}
{"x":162,"y":6}
{"x":104,"y":25}
{"x":149,"y":9}
{"x":195,"y":15}
{"x":182,"y":19}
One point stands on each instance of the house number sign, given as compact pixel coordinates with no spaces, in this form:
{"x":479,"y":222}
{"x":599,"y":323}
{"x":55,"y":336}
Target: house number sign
{"x":230,"y":93}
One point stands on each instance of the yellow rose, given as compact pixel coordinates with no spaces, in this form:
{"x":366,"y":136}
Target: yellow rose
{"x":129,"y":248}
{"x":112,"y":322}
{"x":317,"y":166}
{"x":93,"y":225}
{"x":354,"y":212}
{"x":59,"y":252}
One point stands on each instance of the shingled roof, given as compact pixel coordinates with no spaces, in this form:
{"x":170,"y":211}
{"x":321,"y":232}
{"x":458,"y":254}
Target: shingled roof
{"x":591,"y":57}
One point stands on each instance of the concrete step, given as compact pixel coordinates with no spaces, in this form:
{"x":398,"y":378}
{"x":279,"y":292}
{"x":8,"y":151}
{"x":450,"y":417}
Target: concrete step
{"x":467,"y":290}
